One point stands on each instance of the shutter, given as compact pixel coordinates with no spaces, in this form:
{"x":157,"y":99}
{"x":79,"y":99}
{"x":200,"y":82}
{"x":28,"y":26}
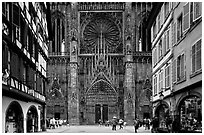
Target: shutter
{"x":174,"y":34}
{"x":193,"y":58}
{"x":167,"y":39}
{"x":162,"y":78}
{"x":162,"y":15}
{"x":152,"y":36}
{"x":178,"y":66}
{"x":153,"y":59}
{"x":186,"y":17}
{"x":198,"y":55}
{"x":191,"y":13}
{"x":164,"y":43}
{"x":178,"y":30}
{"x":166,"y":76}
{"x":182,"y":66}
{"x":174,"y":71}
{"x":185,"y":65}
{"x":4,"y":8}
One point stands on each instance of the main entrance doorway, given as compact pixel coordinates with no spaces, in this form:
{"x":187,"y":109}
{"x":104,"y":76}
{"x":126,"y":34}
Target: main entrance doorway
{"x":101,"y":103}
{"x":101,"y":113}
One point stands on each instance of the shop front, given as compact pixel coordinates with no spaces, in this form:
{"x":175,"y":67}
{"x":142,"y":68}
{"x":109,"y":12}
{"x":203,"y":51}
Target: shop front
{"x":32,"y":120}
{"x":190,"y":114}
{"x":162,"y":113}
{"x":14,"y":118}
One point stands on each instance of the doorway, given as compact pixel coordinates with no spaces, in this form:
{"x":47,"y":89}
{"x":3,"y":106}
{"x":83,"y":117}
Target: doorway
{"x":97,"y":113}
{"x":105,"y":112}
{"x":101,"y":112}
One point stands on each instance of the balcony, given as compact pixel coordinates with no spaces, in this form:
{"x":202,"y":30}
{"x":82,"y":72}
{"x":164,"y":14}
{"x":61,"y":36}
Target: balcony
{"x":15,"y":88}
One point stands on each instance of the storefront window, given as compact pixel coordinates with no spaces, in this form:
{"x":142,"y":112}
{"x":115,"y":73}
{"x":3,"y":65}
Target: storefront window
{"x":191,"y":114}
{"x":14,"y":119}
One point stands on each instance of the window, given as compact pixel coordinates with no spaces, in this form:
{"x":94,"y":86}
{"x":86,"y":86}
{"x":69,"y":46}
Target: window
{"x":197,"y":10}
{"x":24,"y":73}
{"x":16,"y":21}
{"x":154,"y":29}
{"x":167,"y":76}
{"x":35,"y":81}
{"x":155,"y":84}
{"x":196,"y":56}
{"x":158,"y":21}
{"x":180,"y":68}
{"x":166,"y":41}
{"x":179,"y":27}
{"x":160,"y":81}
{"x":155,"y":56}
{"x":5,"y":9}
{"x":186,"y":17}
{"x":4,"y":56}
{"x":166,"y":9}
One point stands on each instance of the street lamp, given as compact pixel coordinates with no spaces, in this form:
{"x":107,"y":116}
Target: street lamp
{"x":161,"y":96}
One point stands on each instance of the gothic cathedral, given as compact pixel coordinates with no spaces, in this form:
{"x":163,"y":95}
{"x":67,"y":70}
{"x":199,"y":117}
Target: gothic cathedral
{"x":99,"y":62}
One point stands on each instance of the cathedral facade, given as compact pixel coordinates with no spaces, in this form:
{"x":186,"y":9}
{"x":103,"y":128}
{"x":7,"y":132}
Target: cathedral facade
{"x":99,"y":62}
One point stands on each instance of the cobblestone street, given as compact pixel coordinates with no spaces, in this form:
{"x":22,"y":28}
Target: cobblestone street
{"x":94,"y":129}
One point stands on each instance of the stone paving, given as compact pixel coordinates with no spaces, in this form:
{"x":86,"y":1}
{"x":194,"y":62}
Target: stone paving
{"x":94,"y":129}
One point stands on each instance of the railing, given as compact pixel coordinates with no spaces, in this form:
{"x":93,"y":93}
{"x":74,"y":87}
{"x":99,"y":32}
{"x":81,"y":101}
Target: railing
{"x":58,"y":53}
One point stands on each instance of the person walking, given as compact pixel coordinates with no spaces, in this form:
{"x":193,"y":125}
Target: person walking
{"x":121,"y":123}
{"x":136,"y":124}
{"x":176,"y":125}
{"x":100,"y":122}
{"x":114,"y":123}
{"x":155,"y":125}
{"x":148,"y":123}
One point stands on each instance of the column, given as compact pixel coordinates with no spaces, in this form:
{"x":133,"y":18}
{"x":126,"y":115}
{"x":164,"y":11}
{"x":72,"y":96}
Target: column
{"x":25,"y":124}
{"x":73,"y":92}
{"x":56,"y":31}
{"x":39,"y":122}
{"x":129,"y":91}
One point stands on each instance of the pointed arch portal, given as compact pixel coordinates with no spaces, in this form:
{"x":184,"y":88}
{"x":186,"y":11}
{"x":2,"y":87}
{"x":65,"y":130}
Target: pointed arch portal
{"x":101,"y":102}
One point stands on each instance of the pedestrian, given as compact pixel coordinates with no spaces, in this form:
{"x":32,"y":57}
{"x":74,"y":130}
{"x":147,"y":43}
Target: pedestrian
{"x":136,"y":124}
{"x":176,"y":125}
{"x":114,"y":123}
{"x":52,"y":123}
{"x":124,"y":124}
{"x":168,"y":123}
{"x":121,"y":123}
{"x":148,"y":123}
{"x":155,"y":125}
{"x":100,"y":122}
{"x":144,"y":123}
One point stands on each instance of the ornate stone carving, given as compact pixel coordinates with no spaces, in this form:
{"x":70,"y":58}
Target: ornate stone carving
{"x":101,"y":30}
{"x":101,"y":6}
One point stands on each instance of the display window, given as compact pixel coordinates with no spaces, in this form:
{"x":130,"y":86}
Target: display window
{"x":14,"y":119}
{"x":191,"y":114}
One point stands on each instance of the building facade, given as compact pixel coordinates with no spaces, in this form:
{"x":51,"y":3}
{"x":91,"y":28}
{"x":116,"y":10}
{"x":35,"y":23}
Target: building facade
{"x":99,"y":62}
{"x":24,"y":58}
{"x":177,"y":71}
